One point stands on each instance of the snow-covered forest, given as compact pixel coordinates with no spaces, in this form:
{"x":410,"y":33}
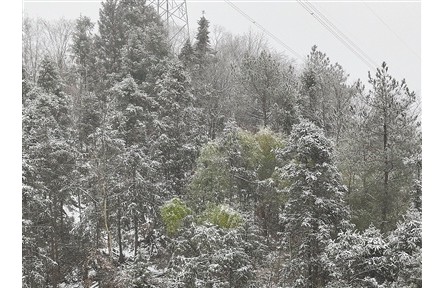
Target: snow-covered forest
{"x":223,"y":165}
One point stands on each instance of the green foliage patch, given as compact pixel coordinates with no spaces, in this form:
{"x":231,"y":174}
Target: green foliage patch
{"x":223,"y":217}
{"x":172,"y":213}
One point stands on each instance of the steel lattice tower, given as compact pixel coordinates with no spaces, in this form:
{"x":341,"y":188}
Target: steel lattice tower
{"x":174,"y":13}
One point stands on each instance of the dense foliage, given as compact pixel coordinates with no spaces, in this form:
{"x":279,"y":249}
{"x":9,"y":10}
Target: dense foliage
{"x":223,"y":166}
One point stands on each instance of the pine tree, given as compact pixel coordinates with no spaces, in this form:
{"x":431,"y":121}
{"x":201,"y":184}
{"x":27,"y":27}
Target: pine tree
{"x":271,"y":92}
{"x":26,"y":86}
{"x":359,"y":259}
{"x":175,"y":136}
{"x":187,"y":54}
{"x":325,"y":97}
{"x":49,"y":79}
{"x":133,"y":45}
{"x":48,"y":164}
{"x":315,"y":211}
{"x":392,"y":130}
{"x":371,"y":259}
{"x":208,"y":255}
{"x":130,"y":120}
{"x":202,"y":44}
{"x":405,"y":250}
{"x":132,"y":40}
{"x":200,"y":61}
{"x":82,"y":48}
{"x":111,"y":37}
{"x":145,"y":42}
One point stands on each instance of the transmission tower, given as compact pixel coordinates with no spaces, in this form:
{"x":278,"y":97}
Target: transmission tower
{"x":174,"y":14}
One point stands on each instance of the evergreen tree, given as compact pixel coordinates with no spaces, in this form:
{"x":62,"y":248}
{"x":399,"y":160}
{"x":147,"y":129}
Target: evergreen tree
{"x":129,"y":120}
{"x":405,"y":250}
{"x":202,"y":44}
{"x":145,"y":42}
{"x":211,"y":182}
{"x":111,"y":37}
{"x":132,"y":40}
{"x":49,"y":162}
{"x":49,"y":79}
{"x":315,"y":211}
{"x":82,"y":49}
{"x":271,"y":92}
{"x":27,"y":86}
{"x":392,"y":137}
{"x":175,"y":137}
{"x":200,"y":62}
{"x":359,"y":259}
{"x":132,"y":44}
{"x":325,"y":97}
{"x":207,"y":255}
{"x":187,"y":54}
{"x":369,"y":259}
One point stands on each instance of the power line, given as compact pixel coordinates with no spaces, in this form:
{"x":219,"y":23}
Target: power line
{"x":324,"y":21}
{"x":314,"y":13}
{"x":393,"y":32}
{"x":343,"y":35}
{"x":265,"y":30}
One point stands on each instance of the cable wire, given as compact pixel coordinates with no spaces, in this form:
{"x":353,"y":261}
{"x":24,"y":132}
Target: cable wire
{"x":393,"y":32}
{"x":370,"y":64}
{"x":268,"y":33}
{"x":347,"y":39}
{"x":347,"y":42}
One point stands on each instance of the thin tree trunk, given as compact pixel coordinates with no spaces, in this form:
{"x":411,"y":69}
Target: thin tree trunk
{"x":105,"y":217}
{"x":97,"y":225}
{"x":103,"y":188}
{"x":79,"y":204}
{"x":264,"y":108}
{"x":135,"y":218}
{"x":364,"y":178}
{"x":61,"y":212}
{"x":54,"y":252}
{"x":119,"y":233}
{"x":385,"y":177}
{"x":136,"y":236}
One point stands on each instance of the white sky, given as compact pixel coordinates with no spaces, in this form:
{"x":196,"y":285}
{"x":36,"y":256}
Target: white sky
{"x":396,"y":40}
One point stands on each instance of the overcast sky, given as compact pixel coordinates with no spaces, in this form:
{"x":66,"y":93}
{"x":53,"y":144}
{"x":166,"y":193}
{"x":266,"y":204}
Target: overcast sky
{"x":386,"y":31}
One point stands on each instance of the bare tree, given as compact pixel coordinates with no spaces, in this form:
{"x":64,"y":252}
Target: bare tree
{"x":57,"y":35}
{"x":42,"y":37}
{"x":32,"y":50}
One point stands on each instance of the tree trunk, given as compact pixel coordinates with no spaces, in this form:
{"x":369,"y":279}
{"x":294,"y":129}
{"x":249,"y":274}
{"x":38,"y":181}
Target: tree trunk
{"x":105,"y":217}
{"x":264,"y":110}
{"x":103,"y":188}
{"x":119,"y":232}
{"x":96,"y":210}
{"x":135,"y":218}
{"x":61,"y":237}
{"x":136,"y":236}
{"x":79,"y":204}
{"x":54,"y":245}
{"x":385,"y":178}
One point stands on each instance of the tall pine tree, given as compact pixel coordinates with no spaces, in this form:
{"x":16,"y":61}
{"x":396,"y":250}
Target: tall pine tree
{"x":315,"y":211}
